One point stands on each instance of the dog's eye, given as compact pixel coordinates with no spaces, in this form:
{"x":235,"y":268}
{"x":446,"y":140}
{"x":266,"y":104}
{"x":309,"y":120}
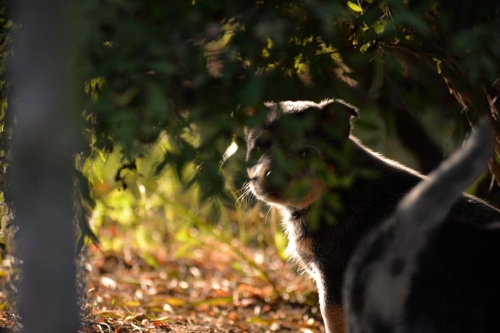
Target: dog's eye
{"x":263,"y":142}
{"x":306,"y":152}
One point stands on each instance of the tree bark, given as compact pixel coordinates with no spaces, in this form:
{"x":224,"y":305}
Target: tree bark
{"x":43,"y":146}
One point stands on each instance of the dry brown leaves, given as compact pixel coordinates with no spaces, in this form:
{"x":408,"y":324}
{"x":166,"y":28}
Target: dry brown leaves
{"x":207,"y":290}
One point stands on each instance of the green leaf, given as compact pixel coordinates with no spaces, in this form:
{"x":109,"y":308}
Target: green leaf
{"x":280,"y":243}
{"x":354,"y":7}
{"x":86,"y":168}
{"x":379,"y":27}
{"x":98,"y":172}
{"x":101,"y":153}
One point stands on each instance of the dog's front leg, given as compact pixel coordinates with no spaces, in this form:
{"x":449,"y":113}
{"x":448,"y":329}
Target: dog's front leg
{"x":333,"y":317}
{"x":332,"y":312}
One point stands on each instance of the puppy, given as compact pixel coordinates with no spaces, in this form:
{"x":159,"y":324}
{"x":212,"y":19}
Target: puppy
{"x":329,"y":188}
{"x":425,"y":270}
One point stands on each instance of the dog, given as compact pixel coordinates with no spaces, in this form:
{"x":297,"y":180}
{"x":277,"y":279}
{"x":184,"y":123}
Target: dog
{"x":424,"y":270}
{"x":329,"y":188}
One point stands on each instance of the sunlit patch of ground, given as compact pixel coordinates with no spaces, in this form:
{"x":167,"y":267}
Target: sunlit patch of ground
{"x":208,"y":289}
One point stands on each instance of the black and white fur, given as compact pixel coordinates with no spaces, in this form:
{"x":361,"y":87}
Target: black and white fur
{"x":424,"y":270}
{"x":321,"y":133}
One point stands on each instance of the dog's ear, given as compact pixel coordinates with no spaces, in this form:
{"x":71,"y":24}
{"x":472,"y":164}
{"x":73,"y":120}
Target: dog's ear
{"x":337,"y":116}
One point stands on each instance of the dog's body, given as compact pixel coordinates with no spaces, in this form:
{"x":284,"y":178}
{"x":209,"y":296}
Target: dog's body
{"x":323,"y":248}
{"x":424,"y":270}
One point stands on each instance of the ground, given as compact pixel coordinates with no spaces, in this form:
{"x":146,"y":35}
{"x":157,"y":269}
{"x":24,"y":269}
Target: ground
{"x":207,"y":289}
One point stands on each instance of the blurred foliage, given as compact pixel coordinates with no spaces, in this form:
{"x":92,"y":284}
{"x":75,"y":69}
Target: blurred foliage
{"x":189,"y":68}
{"x":151,"y":213}
{"x":167,"y":84}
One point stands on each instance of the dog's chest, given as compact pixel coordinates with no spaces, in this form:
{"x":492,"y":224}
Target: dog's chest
{"x":320,"y":244}
{"x":301,"y":250}
{"x":301,"y":244}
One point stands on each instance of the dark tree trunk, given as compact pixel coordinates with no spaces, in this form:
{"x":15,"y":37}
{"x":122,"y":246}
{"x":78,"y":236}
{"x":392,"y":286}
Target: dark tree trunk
{"x":43,"y":147}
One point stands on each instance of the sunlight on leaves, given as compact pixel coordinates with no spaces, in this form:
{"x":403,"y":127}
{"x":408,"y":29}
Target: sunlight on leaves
{"x":354,"y":7}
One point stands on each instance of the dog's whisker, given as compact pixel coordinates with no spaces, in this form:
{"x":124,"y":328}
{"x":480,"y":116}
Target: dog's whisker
{"x":241,"y":189}
{"x":268,"y":211}
{"x":245,"y":191}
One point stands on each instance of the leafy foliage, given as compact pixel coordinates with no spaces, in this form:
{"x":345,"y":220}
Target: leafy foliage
{"x":177,"y":77}
{"x":167,"y":86}
{"x":191,"y":68}
{"x":170,"y":83}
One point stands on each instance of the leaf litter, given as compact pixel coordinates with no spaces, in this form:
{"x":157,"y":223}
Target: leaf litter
{"x":208,"y":290}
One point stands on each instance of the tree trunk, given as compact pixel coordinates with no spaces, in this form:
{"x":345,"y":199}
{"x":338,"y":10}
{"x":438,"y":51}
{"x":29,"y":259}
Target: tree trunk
{"x":43,"y":146}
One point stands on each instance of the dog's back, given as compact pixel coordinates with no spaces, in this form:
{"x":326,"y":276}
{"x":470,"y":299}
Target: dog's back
{"x":419,"y":272}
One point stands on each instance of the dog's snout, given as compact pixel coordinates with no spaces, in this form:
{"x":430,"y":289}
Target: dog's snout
{"x":250,"y":174}
{"x":259,"y":171}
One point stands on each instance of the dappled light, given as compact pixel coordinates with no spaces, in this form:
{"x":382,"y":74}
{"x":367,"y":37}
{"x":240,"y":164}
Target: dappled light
{"x":208,"y":149}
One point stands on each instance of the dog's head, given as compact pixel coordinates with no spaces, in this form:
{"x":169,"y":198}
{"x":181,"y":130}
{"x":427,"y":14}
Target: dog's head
{"x":295,"y":144}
